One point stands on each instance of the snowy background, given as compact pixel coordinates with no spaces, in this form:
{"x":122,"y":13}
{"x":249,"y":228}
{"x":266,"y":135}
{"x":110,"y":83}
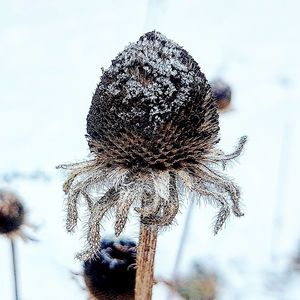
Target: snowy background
{"x":51,"y":54}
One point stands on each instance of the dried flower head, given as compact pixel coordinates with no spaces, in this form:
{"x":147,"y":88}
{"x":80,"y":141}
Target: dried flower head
{"x":111,"y":275}
{"x":222,"y":93}
{"x":200,"y":285}
{"x":12,"y":214}
{"x":152,"y":126}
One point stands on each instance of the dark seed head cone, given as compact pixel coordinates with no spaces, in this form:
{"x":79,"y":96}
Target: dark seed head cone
{"x":111,"y":274}
{"x":152,"y":108}
{"x":11,"y":213}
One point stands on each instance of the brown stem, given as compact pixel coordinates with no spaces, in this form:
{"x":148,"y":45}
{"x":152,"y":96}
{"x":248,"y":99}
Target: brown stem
{"x":145,"y":262}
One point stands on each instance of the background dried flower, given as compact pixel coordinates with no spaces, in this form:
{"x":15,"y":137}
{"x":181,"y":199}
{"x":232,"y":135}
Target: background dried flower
{"x":152,"y":127}
{"x":111,"y":275}
{"x":12,"y":214}
{"x":200,"y":285}
{"x":222,"y":93}
{"x":12,"y":221}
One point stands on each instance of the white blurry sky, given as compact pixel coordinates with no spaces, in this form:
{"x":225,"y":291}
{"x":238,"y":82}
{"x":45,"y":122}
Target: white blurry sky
{"x":51,"y":53}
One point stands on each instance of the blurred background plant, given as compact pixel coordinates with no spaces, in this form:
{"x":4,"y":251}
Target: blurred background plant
{"x":222,"y":93}
{"x":111,"y":274}
{"x":198,"y":284}
{"x":13,"y":221}
{"x":12,"y":215}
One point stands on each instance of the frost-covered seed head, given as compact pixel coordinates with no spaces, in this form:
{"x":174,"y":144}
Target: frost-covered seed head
{"x":153,"y":107}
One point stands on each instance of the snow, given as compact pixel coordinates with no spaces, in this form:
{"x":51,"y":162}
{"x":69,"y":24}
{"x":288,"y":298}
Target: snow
{"x":51,"y":58}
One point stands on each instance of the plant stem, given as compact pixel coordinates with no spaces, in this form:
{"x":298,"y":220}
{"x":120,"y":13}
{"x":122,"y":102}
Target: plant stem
{"x":280,"y":194}
{"x":145,"y":262}
{"x":14,"y":262}
{"x":183,"y":238}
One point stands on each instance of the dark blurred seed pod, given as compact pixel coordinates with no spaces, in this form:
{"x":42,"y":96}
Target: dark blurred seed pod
{"x":222,"y":93}
{"x":12,"y":214}
{"x":152,"y":127}
{"x":111,"y":274}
